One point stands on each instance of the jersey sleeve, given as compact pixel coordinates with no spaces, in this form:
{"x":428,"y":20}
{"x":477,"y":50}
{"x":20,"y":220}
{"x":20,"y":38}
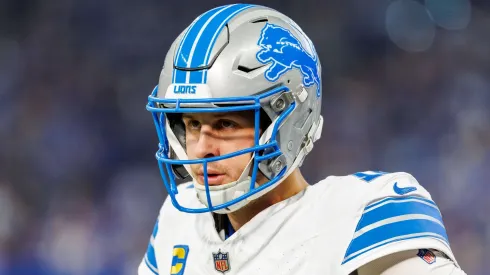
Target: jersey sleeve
{"x":420,"y":262}
{"x":148,"y":265}
{"x":398,"y":215}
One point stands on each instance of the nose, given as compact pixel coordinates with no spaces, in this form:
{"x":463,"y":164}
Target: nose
{"x":207,"y":146}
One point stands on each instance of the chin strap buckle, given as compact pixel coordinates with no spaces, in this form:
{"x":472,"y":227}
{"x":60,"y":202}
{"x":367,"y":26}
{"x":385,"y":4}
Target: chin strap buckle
{"x":301,"y":93}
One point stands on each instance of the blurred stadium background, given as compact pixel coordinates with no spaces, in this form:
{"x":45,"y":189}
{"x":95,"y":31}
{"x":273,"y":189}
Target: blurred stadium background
{"x":406,"y":88}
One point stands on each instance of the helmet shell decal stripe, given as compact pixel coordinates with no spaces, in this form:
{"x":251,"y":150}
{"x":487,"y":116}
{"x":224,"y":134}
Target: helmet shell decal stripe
{"x":196,"y":47}
{"x":178,"y":76}
{"x":215,"y":36}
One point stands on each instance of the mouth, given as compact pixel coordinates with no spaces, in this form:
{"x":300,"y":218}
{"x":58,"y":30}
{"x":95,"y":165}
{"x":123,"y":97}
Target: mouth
{"x":213,"y":179}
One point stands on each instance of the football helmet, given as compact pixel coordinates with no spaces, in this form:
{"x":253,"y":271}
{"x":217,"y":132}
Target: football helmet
{"x":235,"y":58}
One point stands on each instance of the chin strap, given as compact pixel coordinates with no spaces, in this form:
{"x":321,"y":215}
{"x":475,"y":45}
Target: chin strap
{"x":227,"y":192}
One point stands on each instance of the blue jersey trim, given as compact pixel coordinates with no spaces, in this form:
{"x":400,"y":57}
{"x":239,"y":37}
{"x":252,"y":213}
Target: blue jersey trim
{"x":398,"y":208}
{"x":369,"y":176}
{"x":155,"y":229}
{"x":398,"y":199}
{"x":150,"y":267}
{"x":230,"y":230}
{"x":349,"y":258}
{"x":396,"y":223}
{"x":150,"y":253}
{"x":396,"y":229}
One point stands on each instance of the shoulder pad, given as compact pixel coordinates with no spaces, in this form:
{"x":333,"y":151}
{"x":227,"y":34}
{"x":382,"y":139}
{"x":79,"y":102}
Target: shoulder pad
{"x":383,"y":184}
{"x":398,"y":214}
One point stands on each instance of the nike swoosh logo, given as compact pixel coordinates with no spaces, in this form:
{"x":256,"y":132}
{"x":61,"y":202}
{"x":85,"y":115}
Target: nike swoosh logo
{"x":403,"y":190}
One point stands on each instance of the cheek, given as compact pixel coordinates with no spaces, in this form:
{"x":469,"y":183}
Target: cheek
{"x":190,"y":148}
{"x":236,"y":144}
{"x":234,"y":166}
{"x":239,"y":161}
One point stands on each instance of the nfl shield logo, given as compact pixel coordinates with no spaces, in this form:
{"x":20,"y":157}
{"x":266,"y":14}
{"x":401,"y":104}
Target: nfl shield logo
{"x":221,"y":262}
{"x":427,"y":255}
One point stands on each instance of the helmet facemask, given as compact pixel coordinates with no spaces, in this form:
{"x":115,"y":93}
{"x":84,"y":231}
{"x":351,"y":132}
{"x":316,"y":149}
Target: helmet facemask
{"x":266,"y":156}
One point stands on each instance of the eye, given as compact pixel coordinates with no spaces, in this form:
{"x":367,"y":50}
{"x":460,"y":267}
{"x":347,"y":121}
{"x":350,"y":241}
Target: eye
{"x":193,"y":124}
{"x":226,"y":124}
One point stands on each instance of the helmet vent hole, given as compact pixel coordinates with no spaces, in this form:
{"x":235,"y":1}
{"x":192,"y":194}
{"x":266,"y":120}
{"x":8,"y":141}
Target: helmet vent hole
{"x":247,"y":69}
{"x":259,"y":20}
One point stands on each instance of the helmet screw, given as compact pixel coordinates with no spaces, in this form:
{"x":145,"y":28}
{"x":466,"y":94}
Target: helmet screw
{"x":290,"y":145}
{"x":280,"y":104}
{"x":278,"y":166}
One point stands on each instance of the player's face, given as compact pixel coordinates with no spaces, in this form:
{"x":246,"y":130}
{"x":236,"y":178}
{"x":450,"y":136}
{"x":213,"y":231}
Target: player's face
{"x":216,"y":134}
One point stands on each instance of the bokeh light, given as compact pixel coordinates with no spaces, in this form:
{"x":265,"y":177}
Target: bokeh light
{"x":450,"y":14}
{"x":409,"y":25}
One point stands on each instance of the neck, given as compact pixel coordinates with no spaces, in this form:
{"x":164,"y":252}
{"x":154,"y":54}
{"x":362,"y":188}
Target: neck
{"x":291,"y":186}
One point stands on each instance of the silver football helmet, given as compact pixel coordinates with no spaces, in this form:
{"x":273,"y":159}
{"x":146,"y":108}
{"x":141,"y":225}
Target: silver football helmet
{"x":235,"y":58}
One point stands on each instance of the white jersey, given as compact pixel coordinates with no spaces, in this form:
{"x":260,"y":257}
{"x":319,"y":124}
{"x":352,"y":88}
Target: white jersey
{"x":333,"y":227}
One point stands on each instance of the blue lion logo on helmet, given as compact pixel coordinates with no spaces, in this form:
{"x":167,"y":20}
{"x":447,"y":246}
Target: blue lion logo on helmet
{"x":285,"y":52}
